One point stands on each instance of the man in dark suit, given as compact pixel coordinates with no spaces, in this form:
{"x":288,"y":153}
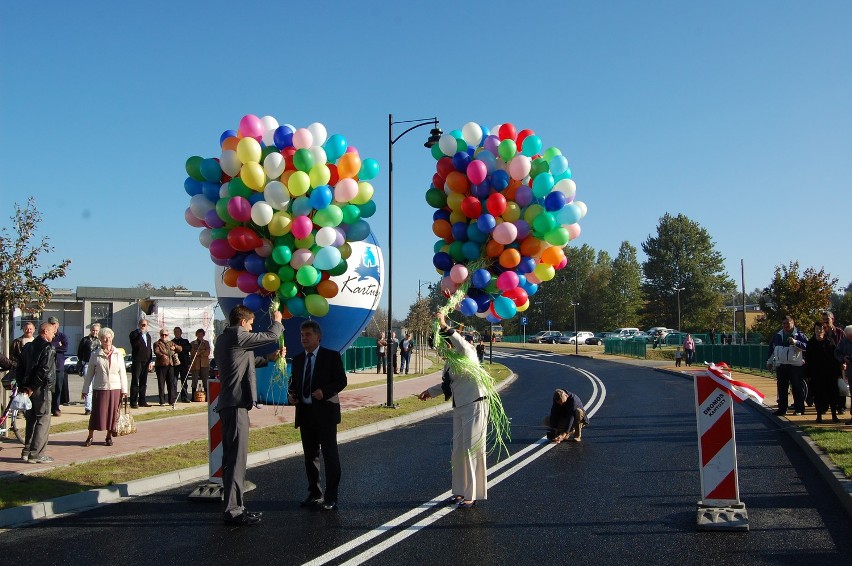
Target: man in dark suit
{"x":237,"y":395}
{"x":317,"y":377}
{"x":141,"y":356}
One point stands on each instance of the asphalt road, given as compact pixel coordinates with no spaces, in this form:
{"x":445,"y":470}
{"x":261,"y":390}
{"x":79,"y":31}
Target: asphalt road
{"x":625,"y":495}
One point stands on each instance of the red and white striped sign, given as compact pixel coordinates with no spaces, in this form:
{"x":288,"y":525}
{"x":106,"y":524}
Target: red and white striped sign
{"x":717,"y":448}
{"x":214,"y":426}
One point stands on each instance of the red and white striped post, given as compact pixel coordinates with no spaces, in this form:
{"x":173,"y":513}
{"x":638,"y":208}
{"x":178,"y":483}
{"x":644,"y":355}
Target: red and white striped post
{"x":212,"y":490}
{"x":720,"y":507}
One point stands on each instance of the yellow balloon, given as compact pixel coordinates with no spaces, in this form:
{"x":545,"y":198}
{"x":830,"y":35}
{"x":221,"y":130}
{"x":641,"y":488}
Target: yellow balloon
{"x":253,"y":175}
{"x":458,"y":216}
{"x":532,"y":211}
{"x":280,"y":224}
{"x":365,"y":193}
{"x":345,"y":250}
{"x":248,"y":150}
{"x":306,"y":242}
{"x":319,"y":175}
{"x":544,"y":271}
{"x":512,"y":212}
{"x":298,"y":183}
{"x":454,"y":200}
{"x":524,"y":306}
{"x":271,"y":282}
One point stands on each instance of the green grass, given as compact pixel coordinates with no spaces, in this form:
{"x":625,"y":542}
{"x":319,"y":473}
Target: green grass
{"x":67,"y":480}
{"x":836,"y":443}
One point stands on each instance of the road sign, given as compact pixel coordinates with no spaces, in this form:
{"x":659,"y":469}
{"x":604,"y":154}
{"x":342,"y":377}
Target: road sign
{"x":524,"y":320}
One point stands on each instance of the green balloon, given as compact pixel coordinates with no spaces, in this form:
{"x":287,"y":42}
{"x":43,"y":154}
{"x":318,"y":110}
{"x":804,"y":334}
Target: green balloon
{"x":436,"y":198}
{"x":287,"y":273}
{"x":222,"y":210}
{"x":551,"y":153}
{"x":439,"y":246}
{"x":282,"y":254}
{"x":287,"y":239}
{"x":507,"y":150}
{"x":317,"y":305}
{"x":539,"y":165}
{"x":303,"y":159}
{"x":219,"y":233}
{"x":492,"y":286}
{"x":544,"y":222}
{"x":461,"y":145}
{"x":306,"y":275}
{"x":367,"y":209}
{"x":271,"y":265}
{"x":339,"y":269}
{"x":236,"y":188}
{"x":436,"y":152}
{"x":457,"y":251}
{"x":557,"y":237}
{"x":287,"y":290}
{"x":193,"y":168}
{"x":351,"y":214}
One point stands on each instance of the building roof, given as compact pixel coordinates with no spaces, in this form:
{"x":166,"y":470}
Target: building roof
{"x":136,"y":293}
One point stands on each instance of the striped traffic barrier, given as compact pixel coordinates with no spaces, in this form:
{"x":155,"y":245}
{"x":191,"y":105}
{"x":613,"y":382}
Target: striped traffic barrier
{"x":213,"y":488}
{"x":720,"y":507}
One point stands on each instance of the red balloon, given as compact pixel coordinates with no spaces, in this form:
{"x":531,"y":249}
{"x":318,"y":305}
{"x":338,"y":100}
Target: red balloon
{"x":243,"y":239}
{"x":445,"y":167}
{"x":438,"y":181}
{"x":471,"y":207}
{"x":507,"y":132}
{"x":288,"y":153}
{"x":496,"y":204}
{"x":335,"y":177}
{"x":522,"y":135}
{"x":518,"y":296}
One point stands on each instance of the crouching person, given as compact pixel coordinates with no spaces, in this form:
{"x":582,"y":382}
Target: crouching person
{"x":567,"y":417}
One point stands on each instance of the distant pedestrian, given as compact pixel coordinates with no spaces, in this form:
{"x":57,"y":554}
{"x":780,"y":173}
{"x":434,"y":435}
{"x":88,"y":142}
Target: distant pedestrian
{"x":200,"y":361}
{"x":141,"y":356}
{"x":87,"y":345}
{"x":823,"y":371}
{"x":713,"y":337}
{"x":843,"y":354}
{"x":237,"y":396}
{"x":106,"y":382}
{"x":480,"y":351}
{"x":317,"y":378}
{"x":678,"y":357}
{"x":834,"y":334}
{"x":381,"y":354}
{"x":567,"y":417}
{"x":393,"y":347}
{"x":183,"y":348}
{"x":165,"y":362}
{"x":688,"y":349}
{"x":406,"y":346}
{"x":36,"y":374}
{"x":60,"y":388}
{"x":786,"y":356}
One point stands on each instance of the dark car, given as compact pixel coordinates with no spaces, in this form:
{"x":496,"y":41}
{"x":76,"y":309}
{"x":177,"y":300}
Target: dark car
{"x":598,"y":338}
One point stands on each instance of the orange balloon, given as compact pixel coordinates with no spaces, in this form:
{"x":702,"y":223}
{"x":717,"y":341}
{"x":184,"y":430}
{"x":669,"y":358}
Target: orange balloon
{"x":553,"y":255}
{"x":458,"y":182}
{"x":531,"y":246}
{"x":285,"y":176}
{"x":493,"y":248}
{"x":327,"y":288}
{"x":442,"y":229}
{"x":510,"y":258}
{"x":348,"y":165}
{"x":230,"y":276}
{"x":286,"y":313}
{"x":509,"y":192}
{"x":230,"y":143}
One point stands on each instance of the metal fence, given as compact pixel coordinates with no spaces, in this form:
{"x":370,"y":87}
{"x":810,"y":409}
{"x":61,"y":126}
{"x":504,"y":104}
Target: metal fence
{"x":360,"y":355}
{"x":752,"y":356}
{"x":632,"y":348}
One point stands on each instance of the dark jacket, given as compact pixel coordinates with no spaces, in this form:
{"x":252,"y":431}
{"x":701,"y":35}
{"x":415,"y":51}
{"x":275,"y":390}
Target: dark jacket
{"x":141,"y":350}
{"x":183,"y":355}
{"x":60,"y":346}
{"x":236,"y":361}
{"x":37,"y":365}
{"x":820,"y":363}
{"x":85,"y":349}
{"x":328,"y":375}
{"x":564,"y":413}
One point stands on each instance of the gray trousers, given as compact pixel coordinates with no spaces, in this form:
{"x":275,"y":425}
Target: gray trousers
{"x":235,"y":431}
{"x":38,"y":422}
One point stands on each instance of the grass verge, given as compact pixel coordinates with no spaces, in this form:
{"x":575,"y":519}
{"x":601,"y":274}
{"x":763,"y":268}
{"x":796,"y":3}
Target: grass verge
{"x":76,"y":478}
{"x":837,"y":444}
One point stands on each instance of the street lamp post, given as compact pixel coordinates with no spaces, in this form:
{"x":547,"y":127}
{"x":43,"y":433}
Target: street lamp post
{"x":678,"y":289}
{"x":434,"y":136}
{"x":576,"y":338}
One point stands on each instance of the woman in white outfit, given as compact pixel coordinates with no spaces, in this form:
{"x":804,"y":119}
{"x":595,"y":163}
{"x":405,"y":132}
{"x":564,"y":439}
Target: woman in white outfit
{"x":470,"y":422}
{"x":108,"y":379}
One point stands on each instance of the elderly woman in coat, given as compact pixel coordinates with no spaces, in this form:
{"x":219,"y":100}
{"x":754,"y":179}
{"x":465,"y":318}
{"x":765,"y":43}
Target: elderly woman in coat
{"x":106,"y":375}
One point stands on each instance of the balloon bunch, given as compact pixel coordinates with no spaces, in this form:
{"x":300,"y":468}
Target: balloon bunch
{"x":278,"y":208}
{"x":505,"y":211}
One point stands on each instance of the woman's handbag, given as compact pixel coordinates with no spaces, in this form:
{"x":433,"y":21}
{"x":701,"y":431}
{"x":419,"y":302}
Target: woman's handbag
{"x":175,"y":359}
{"x":843,"y":387}
{"x":126,"y":424}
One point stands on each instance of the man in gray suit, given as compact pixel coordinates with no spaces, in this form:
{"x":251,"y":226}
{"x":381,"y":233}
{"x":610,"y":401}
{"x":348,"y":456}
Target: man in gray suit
{"x":237,"y":395}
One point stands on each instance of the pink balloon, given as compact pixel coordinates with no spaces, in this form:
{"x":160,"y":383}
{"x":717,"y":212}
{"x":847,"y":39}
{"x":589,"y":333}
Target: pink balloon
{"x":251,"y":127}
{"x":240,"y":209}
{"x":505,"y":233}
{"x":532,"y":278}
{"x":448,"y":287}
{"x":302,"y":138}
{"x":507,"y":281}
{"x":301,"y":227}
{"x":221,"y":249}
{"x":476,"y":171}
{"x":573,"y":231}
{"x":562,"y":263}
{"x":301,"y":257}
{"x":247,"y":283}
{"x":458,"y":274}
{"x":345,"y":190}
{"x":264,"y":249}
{"x":192,"y":220}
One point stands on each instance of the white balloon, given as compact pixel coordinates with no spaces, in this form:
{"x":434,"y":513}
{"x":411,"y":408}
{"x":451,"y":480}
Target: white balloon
{"x":567,"y":187}
{"x":205,"y":237}
{"x":230,"y":163}
{"x":261,"y":213}
{"x":270,"y":124}
{"x":273,"y":165}
{"x":319,"y":154}
{"x":277,"y":195}
{"x":319,"y":132}
{"x":582,"y":206}
{"x":223,"y":190}
{"x":448,"y":145}
{"x":325,"y":236}
{"x":472,"y":133}
{"x":199,"y":205}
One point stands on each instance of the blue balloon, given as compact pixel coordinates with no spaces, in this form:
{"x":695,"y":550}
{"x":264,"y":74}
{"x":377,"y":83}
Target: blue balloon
{"x":283,"y":137}
{"x":460,"y":161}
{"x":459,"y":230}
{"x":531,"y":289}
{"x":334,"y":147}
{"x":505,"y":307}
{"x":256,"y":197}
{"x":474,"y":234}
{"x":471,"y":250}
{"x":485,"y":133}
{"x":486,"y":223}
{"x":227,"y":134}
{"x":253,"y":301}
{"x":211,"y":191}
{"x":482,"y":190}
{"x":368,"y":209}
{"x":558,"y":165}
{"x":569,"y":214}
{"x":480,"y":278}
{"x":301,"y":206}
{"x":322,"y":196}
{"x":210,"y":170}
{"x":193,"y":187}
{"x":491,"y":318}
{"x":441,"y":214}
{"x":468,"y":306}
{"x":296,"y":306}
{"x":358,"y":231}
{"x":238,"y":261}
{"x":554,"y":200}
{"x":255,"y":264}
{"x":499,"y":180}
{"x":488,"y":158}
{"x":442,"y":261}
{"x":527,"y":265}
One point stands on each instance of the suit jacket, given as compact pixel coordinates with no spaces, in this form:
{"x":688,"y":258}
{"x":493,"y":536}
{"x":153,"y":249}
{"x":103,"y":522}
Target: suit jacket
{"x":328,"y":375}
{"x":236,"y":361}
{"x":141,"y":350}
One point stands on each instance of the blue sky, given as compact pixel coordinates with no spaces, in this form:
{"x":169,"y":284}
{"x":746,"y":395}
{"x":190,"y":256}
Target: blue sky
{"x":736,"y":114}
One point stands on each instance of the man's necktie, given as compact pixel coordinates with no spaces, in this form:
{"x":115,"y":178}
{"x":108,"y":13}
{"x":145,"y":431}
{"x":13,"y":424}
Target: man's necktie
{"x":306,"y":383}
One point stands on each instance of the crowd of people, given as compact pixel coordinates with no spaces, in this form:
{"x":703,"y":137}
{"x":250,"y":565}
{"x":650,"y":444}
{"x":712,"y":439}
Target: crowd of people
{"x":399,"y":351}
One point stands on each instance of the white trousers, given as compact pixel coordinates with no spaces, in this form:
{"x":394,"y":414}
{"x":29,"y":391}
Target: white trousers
{"x":470,"y":425}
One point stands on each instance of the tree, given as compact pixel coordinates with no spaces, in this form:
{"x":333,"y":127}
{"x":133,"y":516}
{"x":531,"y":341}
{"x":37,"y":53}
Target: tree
{"x":802,"y":296}
{"x":150,"y":287}
{"x":683,"y":256}
{"x":841,"y":305}
{"x":20,"y":284}
{"x":623,"y":295}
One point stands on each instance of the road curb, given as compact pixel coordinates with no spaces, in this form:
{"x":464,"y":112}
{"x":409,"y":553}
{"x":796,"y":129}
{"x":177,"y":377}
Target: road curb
{"x":25,"y":515}
{"x":828,"y":470}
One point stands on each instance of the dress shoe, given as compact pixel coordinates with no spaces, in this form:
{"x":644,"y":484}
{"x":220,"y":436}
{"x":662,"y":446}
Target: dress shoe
{"x":311,"y":501}
{"x":57,"y":413}
{"x":329,"y":506}
{"x":241,"y":520}
{"x":144,"y":405}
{"x":257,"y":514}
{"x":134,"y":406}
{"x":467,"y":504}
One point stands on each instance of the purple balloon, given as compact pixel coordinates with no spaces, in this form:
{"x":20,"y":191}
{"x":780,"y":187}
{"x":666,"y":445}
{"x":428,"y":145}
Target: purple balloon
{"x":523,"y":229}
{"x":523,"y":196}
{"x":211,"y":218}
{"x":491,"y":143}
{"x":219,"y":261}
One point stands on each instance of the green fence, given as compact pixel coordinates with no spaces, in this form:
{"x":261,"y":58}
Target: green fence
{"x":360,"y":355}
{"x":632,"y":348}
{"x":752,"y":356}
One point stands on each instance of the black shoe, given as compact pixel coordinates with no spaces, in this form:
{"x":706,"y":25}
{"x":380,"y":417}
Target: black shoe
{"x":780,"y":412}
{"x":257,"y":514}
{"x":329,"y":506}
{"x":144,"y":405}
{"x":134,"y":406}
{"x":242,"y":520}
{"x":311,"y":501}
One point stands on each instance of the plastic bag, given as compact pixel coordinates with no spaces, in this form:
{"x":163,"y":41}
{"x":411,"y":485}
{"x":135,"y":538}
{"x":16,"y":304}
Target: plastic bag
{"x":21,"y":402}
{"x":843,"y":387}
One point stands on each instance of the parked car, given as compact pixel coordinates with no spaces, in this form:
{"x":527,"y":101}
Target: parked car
{"x":596,"y":338}
{"x":582,"y":336}
{"x":643,"y":337}
{"x":128,"y":361}
{"x":71,"y":364}
{"x":625,"y":332}
{"x":544,"y":337}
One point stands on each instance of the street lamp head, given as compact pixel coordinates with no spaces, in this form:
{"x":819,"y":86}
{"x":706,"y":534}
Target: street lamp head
{"x":434,"y":136}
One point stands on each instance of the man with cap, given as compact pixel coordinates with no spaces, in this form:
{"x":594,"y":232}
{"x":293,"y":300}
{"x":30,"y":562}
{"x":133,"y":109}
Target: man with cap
{"x":60,"y":346}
